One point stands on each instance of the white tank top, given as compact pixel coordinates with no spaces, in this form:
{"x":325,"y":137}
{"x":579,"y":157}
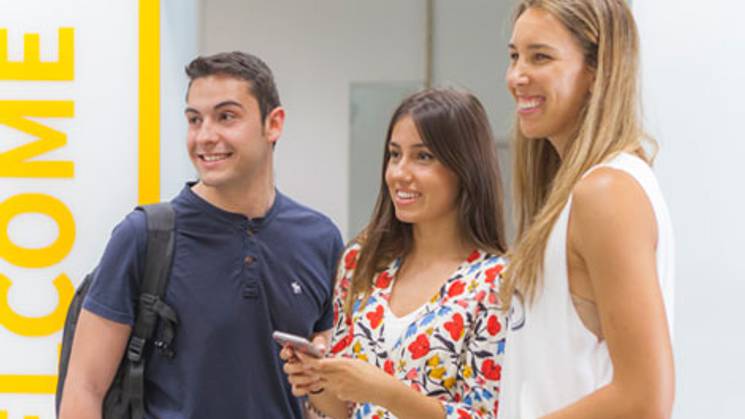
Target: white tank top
{"x":551,"y":359}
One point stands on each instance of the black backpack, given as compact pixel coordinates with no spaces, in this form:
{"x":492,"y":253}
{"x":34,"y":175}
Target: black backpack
{"x":125,"y":398}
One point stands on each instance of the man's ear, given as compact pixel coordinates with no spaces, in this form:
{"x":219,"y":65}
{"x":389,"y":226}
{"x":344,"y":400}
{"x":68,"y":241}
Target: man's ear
{"x":274,"y":123}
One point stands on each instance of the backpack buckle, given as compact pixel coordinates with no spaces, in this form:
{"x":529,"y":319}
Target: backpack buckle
{"x":164,"y":348}
{"x":135,"y":349}
{"x":148,"y":300}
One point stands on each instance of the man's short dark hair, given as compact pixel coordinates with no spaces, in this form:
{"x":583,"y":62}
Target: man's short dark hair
{"x":243,"y":66}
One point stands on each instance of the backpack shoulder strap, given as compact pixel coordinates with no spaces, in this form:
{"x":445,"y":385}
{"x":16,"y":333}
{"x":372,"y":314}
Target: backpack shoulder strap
{"x":159,"y":254}
{"x":161,"y":221}
{"x":158,"y":258}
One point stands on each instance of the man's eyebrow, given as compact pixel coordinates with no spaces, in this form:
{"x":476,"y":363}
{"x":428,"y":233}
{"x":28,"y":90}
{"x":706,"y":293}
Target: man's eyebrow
{"x":228,"y":103}
{"x":216,"y":107}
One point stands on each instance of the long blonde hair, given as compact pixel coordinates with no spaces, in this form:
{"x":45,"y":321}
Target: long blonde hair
{"x":609,"y":123}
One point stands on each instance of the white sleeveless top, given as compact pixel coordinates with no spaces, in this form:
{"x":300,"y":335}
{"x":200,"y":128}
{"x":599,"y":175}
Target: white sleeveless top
{"x":551,"y":359}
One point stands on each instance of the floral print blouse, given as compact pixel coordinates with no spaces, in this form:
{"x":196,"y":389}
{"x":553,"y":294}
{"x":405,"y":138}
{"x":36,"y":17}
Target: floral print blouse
{"x":451,"y":350}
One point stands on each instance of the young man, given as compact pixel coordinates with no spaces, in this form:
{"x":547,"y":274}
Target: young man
{"x":247,"y":261}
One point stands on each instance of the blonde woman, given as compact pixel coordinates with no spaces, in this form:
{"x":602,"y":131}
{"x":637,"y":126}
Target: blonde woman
{"x":590,"y":282}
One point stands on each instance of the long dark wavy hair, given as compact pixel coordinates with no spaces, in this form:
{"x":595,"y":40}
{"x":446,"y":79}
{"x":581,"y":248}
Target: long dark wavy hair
{"x":454,"y":127}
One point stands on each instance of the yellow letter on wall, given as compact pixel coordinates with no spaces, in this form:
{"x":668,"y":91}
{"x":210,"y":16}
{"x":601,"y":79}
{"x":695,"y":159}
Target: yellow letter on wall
{"x":36,"y":326}
{"x":15,"y":162}
{"x":26,"y":257}
{"x":27,"y":384}
{"x":32,"y":68}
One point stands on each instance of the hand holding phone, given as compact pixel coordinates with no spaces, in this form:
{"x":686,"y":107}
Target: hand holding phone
{"x":298,"y":343}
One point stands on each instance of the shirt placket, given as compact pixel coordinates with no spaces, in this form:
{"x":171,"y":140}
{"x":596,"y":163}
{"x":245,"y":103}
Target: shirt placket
{"x":250,"y":262}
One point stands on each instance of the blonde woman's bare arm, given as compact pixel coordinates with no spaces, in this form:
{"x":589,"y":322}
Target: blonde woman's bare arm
{"x":613,"y":231}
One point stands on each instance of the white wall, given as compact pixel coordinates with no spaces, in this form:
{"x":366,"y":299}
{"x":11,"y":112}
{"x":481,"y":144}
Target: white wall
{"x":179,"y":45}
{"x":693,"y":57}
{"x":470,"y":50}
{"x":316,"y":49}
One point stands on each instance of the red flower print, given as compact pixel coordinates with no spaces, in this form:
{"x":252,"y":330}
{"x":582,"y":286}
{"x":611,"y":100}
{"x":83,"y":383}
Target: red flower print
{"x":491,"y":274}
{"x":376,"y":317}
{"x":388,"y":366}
{"x":455,"y":326}
{"x":412,"y":374}
{"x":491,"y":370}
{"x":340,"y":345}
{"x":383,"y":280}
{"x":456,"y":289}
{"x":473,"y":256}
{"x":462,"y":414}
{"x":350,"y":260}
{"x":493,"y":326}
{"x":480,"y":296}
{"x":345,"y":284}
{"x":420,"y":347}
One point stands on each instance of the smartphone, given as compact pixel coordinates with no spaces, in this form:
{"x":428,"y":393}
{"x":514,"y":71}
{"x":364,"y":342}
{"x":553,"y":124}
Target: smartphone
{"x":297,"y":342}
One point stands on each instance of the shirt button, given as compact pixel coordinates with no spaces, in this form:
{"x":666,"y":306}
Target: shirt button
{"x":248,"y":260}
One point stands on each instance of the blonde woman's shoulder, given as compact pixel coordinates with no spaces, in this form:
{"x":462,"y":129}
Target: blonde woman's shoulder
{"x":609,"y":204}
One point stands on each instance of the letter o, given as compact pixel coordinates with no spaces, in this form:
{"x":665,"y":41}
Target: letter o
{"x":36,"y":257}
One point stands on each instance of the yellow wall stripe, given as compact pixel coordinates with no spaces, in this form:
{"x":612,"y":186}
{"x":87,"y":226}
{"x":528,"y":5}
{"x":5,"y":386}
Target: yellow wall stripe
{"x":149,"y":95}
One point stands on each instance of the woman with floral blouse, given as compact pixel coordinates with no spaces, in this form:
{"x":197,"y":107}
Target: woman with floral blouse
{"x":418,"y":330}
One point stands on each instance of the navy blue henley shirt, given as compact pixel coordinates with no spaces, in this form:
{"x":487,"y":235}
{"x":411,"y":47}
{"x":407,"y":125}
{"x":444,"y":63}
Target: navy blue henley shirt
{"x":234,"y":280}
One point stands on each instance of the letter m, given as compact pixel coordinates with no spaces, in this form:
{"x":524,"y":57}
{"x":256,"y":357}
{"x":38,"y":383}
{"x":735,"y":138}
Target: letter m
{"x":19,"y":161}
